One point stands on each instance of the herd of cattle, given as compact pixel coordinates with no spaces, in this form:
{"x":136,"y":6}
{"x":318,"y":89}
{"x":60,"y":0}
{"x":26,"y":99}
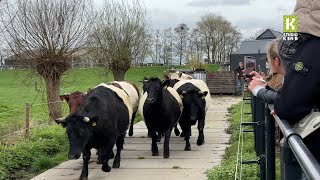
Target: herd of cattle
{"x":100,"y":118}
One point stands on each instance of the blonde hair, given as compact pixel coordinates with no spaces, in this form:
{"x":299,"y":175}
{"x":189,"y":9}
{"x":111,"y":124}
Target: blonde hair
{"x":272,"y":51}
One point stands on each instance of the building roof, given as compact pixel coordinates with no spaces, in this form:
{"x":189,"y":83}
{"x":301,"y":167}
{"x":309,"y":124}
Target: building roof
{"x":269,"y":34}
{"x":253,"y":46}
{"x":260,"y":43}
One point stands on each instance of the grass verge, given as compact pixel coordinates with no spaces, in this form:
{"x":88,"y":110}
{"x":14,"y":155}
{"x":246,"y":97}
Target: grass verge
{"x":227,"y":168}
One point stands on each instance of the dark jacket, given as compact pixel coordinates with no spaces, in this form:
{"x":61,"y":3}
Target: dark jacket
{"x":267,"y":95}
{"x":239,"y":71}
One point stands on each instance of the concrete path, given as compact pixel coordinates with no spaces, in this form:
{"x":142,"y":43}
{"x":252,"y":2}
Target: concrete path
{"x":138,"y":164}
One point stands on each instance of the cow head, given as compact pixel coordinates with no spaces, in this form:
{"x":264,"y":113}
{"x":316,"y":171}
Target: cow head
{"x":74,"y":100}
{"x":144,"y":84}
{"x":193,"y":101}
{"x":79,"y":130}
{"x":154,"y":89}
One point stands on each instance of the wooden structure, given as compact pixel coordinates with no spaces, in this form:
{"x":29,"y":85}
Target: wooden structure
{"x":221,"y":82}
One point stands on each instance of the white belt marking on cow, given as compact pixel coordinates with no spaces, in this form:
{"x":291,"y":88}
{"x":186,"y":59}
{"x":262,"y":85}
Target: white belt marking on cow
{"x":132,"y":93}
{"x":123,"y":95}
{"x":199,"y":84}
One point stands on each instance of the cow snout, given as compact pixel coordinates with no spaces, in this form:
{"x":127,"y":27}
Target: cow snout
{"x":151,"y":100}
{"x":74,"y":156}
{"x":192,"y":118}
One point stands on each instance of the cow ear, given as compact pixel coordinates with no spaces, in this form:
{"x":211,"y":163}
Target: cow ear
{"x":166,"y":76}
{"x":205,"y":93}
{"x":165,"y":83}
{"x":180,"y":74}
{"x":65,"y":97}
{"x":61,"y":122}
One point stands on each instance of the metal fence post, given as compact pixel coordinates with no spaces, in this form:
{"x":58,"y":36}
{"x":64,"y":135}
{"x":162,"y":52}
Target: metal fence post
{"x":27,"y":125}
{"x":270,"y":146}
{"x":290,"y":168}
{"x":259,"y":132}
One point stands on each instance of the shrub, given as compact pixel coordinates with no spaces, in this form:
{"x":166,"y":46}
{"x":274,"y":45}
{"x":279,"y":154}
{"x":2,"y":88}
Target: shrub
{"x":46,"y":148}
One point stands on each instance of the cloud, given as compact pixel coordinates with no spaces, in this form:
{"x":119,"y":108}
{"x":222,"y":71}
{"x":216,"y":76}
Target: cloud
{"x":206,"y":3}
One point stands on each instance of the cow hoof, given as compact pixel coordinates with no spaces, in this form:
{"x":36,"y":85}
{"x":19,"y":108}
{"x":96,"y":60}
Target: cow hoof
{"x":182,"y":134}
{"x":176,"y":132}
{"x":83,"y":178}
{"x":155,"y":153}
{"x":130,"y":134}
{"x":106,"y":168}
{"x":200,"y":142}
{"x":166,"y":156}
{"x":187,"y":148}
{"x":117,"y":165}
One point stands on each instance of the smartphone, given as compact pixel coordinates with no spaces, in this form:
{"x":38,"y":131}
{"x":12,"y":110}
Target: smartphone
{"x":249,"y":65}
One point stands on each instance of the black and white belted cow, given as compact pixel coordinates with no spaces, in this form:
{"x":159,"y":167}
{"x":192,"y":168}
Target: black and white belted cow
{"x":100,"y":122}
{"x":196,"y":100}
{"x":75,"y":99}
{"x":161,"y":107}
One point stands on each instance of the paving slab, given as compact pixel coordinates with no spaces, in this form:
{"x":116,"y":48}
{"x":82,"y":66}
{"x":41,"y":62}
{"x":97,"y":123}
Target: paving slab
{"x":138,"y":164}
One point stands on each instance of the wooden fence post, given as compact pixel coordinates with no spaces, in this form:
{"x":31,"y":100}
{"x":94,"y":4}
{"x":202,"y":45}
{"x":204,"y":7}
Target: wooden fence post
{"x":27,"y":126}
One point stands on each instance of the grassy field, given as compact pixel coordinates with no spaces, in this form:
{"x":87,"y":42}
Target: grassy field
{"x":48,"y":144}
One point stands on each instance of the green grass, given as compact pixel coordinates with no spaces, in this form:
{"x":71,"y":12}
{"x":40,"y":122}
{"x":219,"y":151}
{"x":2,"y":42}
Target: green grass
{"x":48,"y":146}
{"x":226,"y":170}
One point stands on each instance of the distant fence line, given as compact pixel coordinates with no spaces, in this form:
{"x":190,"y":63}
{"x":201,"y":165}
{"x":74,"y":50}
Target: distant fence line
{"x":30,"y":120}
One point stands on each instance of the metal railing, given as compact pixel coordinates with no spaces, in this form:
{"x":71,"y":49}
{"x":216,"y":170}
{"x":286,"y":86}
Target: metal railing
{"x":295,"y":157}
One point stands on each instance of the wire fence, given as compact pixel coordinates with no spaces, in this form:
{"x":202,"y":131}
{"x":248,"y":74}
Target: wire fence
{"x":17,"y":123}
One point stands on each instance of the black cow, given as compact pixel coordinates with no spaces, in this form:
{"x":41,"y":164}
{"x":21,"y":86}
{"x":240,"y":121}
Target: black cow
{"x":196,"y":101}
{"x":144,"y":89}
{"x":161,"y":108}
{"x":100,"y":122}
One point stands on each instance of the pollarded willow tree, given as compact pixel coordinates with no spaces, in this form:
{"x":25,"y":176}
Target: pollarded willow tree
{"x":121,"y":35}
{"x":44,"y":35}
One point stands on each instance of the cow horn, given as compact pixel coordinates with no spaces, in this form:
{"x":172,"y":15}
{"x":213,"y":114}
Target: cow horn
{"x":184,"y":92}
{"x":60,"y":120}
{"x":86,"y":119}
{"x":200,"y":92}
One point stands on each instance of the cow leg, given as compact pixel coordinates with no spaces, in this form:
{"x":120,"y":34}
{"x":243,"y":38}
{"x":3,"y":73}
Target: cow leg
{"x":106,"y":154}
{"x":154,"y":146}
{"x":200,"y":140}
{"x":176,"y":130}
{"x":119,"y":143}
{"x":159,"y":137}
{"x":166,"y":149}
{"x":99,"y":161}
{"x":131,"y":125}
{"x":187,"y":133}
{"x":86,"y":157}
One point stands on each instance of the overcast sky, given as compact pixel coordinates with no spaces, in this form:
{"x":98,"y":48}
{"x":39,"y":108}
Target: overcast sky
{"x":247,"y":15}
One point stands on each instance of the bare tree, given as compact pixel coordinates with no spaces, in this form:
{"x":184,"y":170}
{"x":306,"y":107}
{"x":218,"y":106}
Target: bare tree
{"x":156,"y":47}
{"x":218,"y":35}
{"x":181,"y":32}
{"x":121,"y":34}
{"x":166,"y":38}
{"x":44,"y":35}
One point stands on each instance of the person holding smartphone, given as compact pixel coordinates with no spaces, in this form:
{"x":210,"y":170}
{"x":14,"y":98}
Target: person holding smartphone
{"x":300,"y":93}
{"x":239,"y":79}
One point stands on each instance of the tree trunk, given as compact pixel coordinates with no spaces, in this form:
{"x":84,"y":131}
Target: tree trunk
{"x":53,"y":95}
{"x":119,"y":75}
